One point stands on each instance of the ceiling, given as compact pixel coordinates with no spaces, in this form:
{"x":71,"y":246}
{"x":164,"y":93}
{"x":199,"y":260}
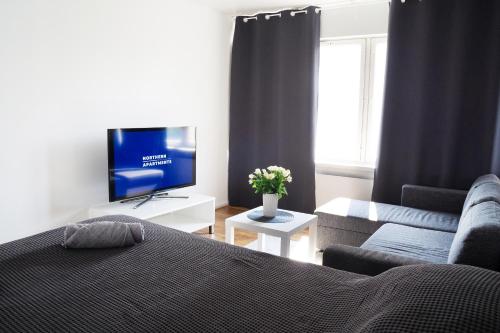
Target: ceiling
{"x":251,"y":6}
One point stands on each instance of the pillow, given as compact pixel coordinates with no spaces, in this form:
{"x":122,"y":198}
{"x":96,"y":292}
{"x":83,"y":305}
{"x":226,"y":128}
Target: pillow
{"x":477,"y":241}
{"x":102,"y":234}
{"x":482,"y":193}
{"x":489,"y":178}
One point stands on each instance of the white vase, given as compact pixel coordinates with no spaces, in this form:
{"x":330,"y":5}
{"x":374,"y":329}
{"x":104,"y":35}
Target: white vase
{"x":270,"y":203}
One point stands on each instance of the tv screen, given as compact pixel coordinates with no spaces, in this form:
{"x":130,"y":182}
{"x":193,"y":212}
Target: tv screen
{"x":146,"y":160}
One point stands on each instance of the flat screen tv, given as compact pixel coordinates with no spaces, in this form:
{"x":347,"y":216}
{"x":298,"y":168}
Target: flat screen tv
{"x":143,"y":161}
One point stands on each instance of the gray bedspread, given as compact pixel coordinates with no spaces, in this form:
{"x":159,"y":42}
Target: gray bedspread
{"x":178,"y":282}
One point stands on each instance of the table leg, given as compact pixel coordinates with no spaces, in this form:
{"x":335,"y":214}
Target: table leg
{"x":313,"y":234}
{"x":285,"y":247}
{"x":261,"y":241}
{"x":229,"y":233}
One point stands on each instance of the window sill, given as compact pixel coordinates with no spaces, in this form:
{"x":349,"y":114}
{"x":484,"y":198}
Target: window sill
{"x":346,"y":170}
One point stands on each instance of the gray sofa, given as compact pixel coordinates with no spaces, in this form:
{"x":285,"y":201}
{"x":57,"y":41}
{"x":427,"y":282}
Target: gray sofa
{"x":432,"y":225}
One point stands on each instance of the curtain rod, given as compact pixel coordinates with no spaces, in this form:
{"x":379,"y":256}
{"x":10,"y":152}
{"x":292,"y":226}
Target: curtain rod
{"x":278,"y":14}
{"x":338,"y":4}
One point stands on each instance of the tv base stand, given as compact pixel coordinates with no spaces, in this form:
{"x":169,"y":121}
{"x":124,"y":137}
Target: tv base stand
{"x":190,"y":214}
{"x":159,"y":195}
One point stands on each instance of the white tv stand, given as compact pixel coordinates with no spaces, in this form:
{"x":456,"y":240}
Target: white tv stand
{"x":189,"y":215}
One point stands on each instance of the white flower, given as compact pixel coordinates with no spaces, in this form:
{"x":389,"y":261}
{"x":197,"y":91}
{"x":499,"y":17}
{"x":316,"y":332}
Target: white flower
{"x":289,"y":179}
{"x":269,"y":176}
{"x":251,"y":176}
{"x":273,"y":168}
{"x":257,"y":171}
{"x":286,"y":173}
{"x":250,"y":181}
{"x":264,"y":171}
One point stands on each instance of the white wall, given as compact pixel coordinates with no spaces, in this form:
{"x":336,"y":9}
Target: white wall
{"x":355,"y":20}
{"x":71,"y":69}
{"x":344,"y":22}
{"x":329,"y":187}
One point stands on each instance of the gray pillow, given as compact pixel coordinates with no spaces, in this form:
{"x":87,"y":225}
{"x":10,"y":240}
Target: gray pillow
{"x":487,"y":191}
{"x":102,"y":234}
{"x":489,"y":178}
{"x":477,"y":241}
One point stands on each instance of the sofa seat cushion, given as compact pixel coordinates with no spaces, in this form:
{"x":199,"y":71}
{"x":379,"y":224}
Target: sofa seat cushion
{"x":422,"y":244}
{"x":367,"y":217}
{"x":477,"y":241}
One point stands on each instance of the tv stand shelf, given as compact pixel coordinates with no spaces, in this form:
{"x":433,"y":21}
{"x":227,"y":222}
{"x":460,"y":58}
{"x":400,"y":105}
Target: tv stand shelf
{"x":189,"y":215}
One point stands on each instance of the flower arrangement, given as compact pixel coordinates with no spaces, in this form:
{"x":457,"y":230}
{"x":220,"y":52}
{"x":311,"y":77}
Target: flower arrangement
{"x":270,"y":181}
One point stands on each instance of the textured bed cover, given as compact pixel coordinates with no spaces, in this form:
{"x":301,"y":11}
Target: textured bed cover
{"x":175,"y":281}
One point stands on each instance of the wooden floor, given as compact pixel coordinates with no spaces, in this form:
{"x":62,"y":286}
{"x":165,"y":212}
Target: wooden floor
{"x":241,"y":238}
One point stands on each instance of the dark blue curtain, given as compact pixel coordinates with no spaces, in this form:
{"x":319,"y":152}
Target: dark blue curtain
{"x":440,"y":123}
{"x":274,"y":78}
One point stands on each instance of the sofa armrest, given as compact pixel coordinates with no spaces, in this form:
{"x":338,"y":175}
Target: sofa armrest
{"x":362,"y":261}
{"x":433,"y":198}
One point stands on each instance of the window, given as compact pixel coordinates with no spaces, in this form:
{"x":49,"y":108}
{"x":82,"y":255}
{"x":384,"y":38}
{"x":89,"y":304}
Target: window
{"x":351,"y":87}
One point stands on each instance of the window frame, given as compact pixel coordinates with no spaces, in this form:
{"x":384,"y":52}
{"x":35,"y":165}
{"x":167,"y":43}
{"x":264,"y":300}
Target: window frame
{"x":362,"y":168}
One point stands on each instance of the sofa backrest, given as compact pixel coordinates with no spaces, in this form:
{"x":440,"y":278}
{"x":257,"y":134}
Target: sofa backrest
{"x":485,"y":188}
{"x":477,"y":241}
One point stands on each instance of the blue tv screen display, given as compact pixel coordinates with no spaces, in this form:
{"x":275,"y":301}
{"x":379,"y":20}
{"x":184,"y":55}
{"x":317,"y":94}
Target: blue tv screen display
{"x":145,"y":160}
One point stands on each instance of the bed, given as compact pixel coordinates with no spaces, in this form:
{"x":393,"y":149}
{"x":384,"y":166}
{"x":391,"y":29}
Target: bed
{"x":179,"y":282}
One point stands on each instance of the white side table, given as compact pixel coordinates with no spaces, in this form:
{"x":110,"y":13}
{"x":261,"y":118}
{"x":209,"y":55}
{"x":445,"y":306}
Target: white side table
{"x":282,"y":230}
